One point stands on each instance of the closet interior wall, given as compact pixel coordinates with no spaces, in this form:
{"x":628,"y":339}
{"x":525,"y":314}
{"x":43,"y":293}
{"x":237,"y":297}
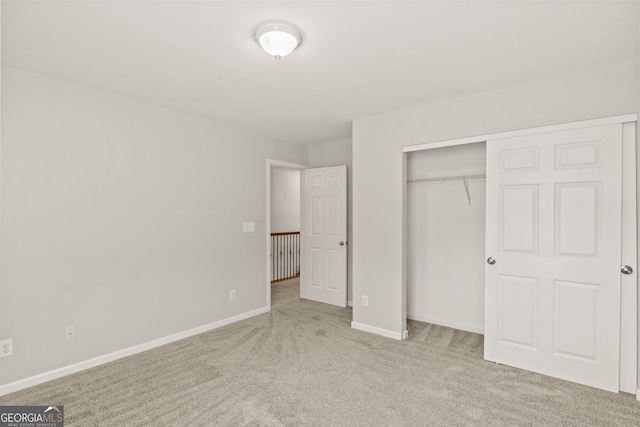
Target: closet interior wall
{"x":446,"y":236}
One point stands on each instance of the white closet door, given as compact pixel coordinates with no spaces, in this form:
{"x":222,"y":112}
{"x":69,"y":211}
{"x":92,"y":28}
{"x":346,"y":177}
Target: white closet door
{"x":552,"y":297}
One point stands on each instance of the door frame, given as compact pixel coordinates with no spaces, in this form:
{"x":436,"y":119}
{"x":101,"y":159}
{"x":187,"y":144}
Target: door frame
{"x":630,"y":245}
{"x":271,"y":163}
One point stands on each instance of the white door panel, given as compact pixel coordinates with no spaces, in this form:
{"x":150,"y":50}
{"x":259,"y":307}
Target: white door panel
{"x":554,"y":228}
{"x":324,"y":226}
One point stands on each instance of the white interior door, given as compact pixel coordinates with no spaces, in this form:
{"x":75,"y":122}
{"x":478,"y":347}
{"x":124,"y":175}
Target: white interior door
{"x":323,"y":225}
{"x":552,"y":297}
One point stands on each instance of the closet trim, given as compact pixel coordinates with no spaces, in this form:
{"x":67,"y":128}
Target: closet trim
{"x":523,"y":132}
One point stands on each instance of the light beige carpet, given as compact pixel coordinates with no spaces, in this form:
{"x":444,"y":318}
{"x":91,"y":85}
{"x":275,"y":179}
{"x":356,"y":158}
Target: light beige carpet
{"x":302,"y":365}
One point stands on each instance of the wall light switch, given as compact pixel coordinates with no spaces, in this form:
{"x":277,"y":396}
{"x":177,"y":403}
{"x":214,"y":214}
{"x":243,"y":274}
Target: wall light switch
{"x":249,"y":227}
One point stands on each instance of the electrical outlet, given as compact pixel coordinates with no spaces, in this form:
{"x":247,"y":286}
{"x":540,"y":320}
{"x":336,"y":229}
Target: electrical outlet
{"x":249,"y":227}
{"x":232,"y":295}
{"x":6,"y":348}
{"x":70,"y":333}
{"x":365,"y":301}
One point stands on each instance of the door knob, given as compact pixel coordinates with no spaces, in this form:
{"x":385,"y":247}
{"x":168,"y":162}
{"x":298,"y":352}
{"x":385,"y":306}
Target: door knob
{"x":341,"y":243}
{"x":625,"y":269}
{"x":491,"y":260}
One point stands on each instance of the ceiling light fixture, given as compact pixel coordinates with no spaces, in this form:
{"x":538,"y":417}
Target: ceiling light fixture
{"x":278,"y":39}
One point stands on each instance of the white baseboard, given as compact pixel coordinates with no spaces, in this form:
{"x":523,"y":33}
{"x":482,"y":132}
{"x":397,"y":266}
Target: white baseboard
{"x":110,"y":357}
{"x":378,"y":331}
{"x":454,"y":325}
{"x":349,"y":303}
{"x":638,"y":395}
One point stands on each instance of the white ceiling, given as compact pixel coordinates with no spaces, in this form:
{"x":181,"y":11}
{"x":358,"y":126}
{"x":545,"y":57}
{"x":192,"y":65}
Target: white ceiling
{"x":357,"y":58}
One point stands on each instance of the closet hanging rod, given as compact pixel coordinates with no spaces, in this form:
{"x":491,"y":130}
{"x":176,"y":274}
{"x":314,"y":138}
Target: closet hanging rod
{"x":447,"y":178}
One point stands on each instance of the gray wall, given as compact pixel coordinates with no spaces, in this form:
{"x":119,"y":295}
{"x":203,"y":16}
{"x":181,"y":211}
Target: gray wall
{"x":285,"y":200}
{"x":123,"y":219}
{"x":378,"y":246}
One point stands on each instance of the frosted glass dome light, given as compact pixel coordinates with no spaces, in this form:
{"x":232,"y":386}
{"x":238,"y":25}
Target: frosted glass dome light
{"x":278,"y":39}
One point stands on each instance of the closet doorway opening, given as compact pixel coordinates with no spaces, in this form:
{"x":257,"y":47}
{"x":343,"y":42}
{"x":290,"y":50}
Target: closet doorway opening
{"x":561,"y":220}
{"x":446,"y":195}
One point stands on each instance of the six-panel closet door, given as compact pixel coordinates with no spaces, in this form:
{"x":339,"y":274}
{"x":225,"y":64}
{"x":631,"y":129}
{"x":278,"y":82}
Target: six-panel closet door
{"x":553,"y":243}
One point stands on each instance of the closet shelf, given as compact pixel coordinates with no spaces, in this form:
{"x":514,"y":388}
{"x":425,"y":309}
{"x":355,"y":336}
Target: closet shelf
{"x":464,"y":179}
{"x":447,"y":178}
